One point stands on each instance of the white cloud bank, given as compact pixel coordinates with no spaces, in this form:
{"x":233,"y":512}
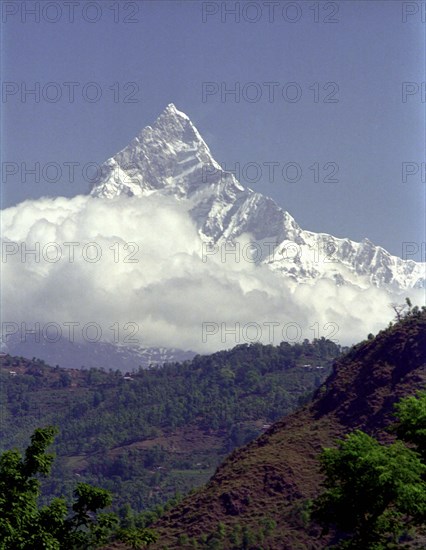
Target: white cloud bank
{"x":162,"y":283}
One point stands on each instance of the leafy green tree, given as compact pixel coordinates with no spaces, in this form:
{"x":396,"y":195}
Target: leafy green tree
{"x":137,"y":538}
{"x":86,"y":528}
{"x":22,"y":525}
{"x":411,"y":413}
{"x":375,"y":493}
{"x":25,"y":526}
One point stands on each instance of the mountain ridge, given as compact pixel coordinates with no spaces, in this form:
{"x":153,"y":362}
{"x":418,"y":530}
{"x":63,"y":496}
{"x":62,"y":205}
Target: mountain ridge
{"x":171,"y":157}
{"x":274,"y":477}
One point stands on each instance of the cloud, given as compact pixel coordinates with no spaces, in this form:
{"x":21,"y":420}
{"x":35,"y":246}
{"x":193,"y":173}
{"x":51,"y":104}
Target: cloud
{"x":134,"y":267}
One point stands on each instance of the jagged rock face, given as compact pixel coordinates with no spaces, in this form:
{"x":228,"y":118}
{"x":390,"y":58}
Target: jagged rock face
{"x":171,"y":158}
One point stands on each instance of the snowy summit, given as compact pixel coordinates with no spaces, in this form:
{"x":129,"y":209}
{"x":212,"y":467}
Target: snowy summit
{"x":171,"y":157}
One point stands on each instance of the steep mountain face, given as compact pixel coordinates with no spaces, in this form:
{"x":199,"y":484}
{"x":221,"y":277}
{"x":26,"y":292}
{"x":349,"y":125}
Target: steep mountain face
{"x":269,"y":481}
{"x":171,"y":158}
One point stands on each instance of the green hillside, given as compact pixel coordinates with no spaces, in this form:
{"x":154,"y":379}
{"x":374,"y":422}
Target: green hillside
{"x":154,"y":433}
{"x":260,"y":497}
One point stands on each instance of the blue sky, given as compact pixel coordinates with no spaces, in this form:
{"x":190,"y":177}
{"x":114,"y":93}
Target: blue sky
{"x":360,"y":59}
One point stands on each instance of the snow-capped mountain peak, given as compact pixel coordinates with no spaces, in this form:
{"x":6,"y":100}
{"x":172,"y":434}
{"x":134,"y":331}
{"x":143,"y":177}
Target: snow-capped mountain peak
{"x":171,"y":157}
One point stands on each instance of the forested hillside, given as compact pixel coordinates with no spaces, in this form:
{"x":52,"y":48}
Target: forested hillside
{"x":261,"y":496}
{"x":151,"y":434}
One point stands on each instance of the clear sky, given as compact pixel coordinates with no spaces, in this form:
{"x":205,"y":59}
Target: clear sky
{"x":336,"y":99}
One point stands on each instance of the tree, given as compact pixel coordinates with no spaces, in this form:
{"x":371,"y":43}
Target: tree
{"x":403,"y":310}
{"x":25,"y":526}
{"x":21,"y":523}
{"x":411,"y":426}
{"x":137,"y":538}
{"x":373,"y":492}
{"x":399,"y":310}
